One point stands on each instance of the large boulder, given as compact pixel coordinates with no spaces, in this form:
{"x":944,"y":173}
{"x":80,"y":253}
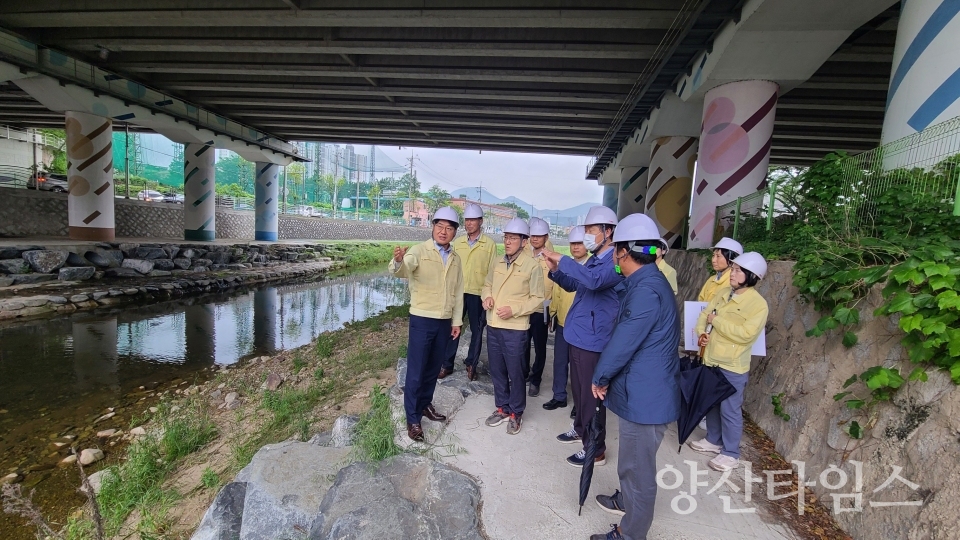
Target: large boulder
{"x":76,"y":273}
{"x":182,"y":263}
{"x":408,"y":497}
{"x":341,"y":435}
{"x":14,"y":266}
{"x":276,"y":496}
{"x":105,"y":258}
{"x":26,"y":279}
{"x":139,"y":265}
{"x":219,"y":257}
{"x":74,"y":259}
{"x":150,"y":253}
{"x":45,"y":261}
{"x":163,"y":264}
{"x":122,"y":273}
{"x":9,"y":252}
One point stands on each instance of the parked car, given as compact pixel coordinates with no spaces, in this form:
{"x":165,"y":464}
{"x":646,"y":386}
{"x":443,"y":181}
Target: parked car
{"x":45,"y":181}
{"x":174,"y":198}
{"x":150,"y":195}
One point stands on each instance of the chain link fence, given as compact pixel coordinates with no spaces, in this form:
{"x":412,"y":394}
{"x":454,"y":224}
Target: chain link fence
{"x":925,"y":166}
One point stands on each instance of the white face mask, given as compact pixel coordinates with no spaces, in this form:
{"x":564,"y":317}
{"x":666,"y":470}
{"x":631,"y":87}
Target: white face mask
{"x":590,"y":242}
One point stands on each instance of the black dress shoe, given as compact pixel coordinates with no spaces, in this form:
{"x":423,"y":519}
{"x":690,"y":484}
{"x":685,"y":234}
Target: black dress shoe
{"x":554,"y":404}
{"x":432,"y":414}
{"x":573,"y":412}
{"x":444,"y":373}
{"x":415,"y":432}
{"x":471,"y":373}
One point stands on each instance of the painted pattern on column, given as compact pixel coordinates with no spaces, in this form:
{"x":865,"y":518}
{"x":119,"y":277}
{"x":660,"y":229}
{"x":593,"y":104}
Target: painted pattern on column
{"x":925,"y":80}
{"x":199,"y":192}
{"x":633,"y":190}
{"x":671,"y":175}
{"x":266,"y":192}
{"x":90,"y":176}
{"x":735,"y":139}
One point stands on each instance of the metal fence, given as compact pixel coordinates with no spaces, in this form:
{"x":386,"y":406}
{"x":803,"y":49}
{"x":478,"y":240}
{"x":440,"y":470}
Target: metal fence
{"x":925,"y":165}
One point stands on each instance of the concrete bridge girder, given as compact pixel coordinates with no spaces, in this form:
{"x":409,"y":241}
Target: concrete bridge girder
{"x":69,"y":97}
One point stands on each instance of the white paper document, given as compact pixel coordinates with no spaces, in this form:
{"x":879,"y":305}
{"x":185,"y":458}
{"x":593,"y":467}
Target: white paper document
{"x":691,"y":311}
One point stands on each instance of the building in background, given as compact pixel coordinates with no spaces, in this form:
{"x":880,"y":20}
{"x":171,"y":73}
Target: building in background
{"x":415,"y":213}
{"x":494,"y":216}
{"x":349,"y":159}
{"x":362,"y":168}
{"x":373,"y":164}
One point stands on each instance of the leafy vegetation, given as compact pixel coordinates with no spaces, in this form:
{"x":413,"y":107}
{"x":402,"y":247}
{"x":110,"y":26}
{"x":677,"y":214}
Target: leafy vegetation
{"x":905,"y":238}
{"x":373,"y":437}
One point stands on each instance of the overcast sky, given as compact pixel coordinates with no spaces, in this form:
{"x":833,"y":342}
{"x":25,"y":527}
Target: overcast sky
{"x":546,"y":181}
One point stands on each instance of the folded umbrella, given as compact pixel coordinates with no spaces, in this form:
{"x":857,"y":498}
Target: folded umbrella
{"x":595,"y":432}
{"x":701,"y":389}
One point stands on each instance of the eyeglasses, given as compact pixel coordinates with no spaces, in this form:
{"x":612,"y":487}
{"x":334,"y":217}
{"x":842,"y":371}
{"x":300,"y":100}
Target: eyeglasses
{"x":512,"y":238}
{"x":441,"y":227}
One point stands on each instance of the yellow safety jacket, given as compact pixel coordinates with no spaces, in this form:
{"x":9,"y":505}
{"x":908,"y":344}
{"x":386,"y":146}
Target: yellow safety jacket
{"x":436,"y":289}
{"x":740,"y":320}
{"x":519,"y":286}
{"x":475,"y":261}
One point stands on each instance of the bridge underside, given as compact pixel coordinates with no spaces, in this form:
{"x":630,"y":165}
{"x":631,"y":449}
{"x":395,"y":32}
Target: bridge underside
{"x":472,"y":75}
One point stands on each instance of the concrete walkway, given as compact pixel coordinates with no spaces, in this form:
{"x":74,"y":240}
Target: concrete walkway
{"x":530,"y":492}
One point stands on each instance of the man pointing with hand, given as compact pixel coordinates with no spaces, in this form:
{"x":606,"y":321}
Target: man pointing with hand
{"x":436,"y":314}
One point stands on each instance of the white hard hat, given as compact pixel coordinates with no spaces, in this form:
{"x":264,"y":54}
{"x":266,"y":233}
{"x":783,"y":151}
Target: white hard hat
{"x":601,"y":215}
{"x":636,"y":227}
{"x":753,"y":262}
{"x":517,"y":226}
{"x":539,"y":227}
{"x":448,"y":214}
{"x":729,"y":244}
{"x":576,"y":234}
{"x":473,"y":211}
{"x":666,"y":247}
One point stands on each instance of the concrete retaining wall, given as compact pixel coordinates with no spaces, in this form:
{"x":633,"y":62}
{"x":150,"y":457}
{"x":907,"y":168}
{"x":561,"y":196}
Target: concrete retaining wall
{"x":30,"y":213}
{"x":919,"y":431}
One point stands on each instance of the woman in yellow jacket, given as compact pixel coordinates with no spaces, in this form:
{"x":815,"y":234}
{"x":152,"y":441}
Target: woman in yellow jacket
{"x":728,"y":328}
{"x":668,"y":271}
{"x":725,"y":250}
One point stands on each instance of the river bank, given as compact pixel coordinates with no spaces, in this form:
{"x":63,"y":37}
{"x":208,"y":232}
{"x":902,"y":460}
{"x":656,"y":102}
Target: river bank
{"x":121,"y":359}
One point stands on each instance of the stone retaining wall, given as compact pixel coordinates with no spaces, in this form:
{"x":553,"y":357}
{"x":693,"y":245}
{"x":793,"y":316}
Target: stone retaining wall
{"x":918,"y":431}
{"x":26,"y":213}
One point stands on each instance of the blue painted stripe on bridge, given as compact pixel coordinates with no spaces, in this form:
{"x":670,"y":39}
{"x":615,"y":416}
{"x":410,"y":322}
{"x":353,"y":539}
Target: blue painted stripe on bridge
{"x":939,"y":19}
{"x":205,"y":223}
{"x":190,"y":174}
{"x":633,"y":178}
{"x":941,"y":98}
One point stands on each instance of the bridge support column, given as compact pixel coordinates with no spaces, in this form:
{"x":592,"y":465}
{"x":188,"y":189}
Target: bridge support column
{"x":610,"y":196}
{"x":633,"y":189}
{"x":735,"y":139}
{"x":199,"y":192}
{"x":90,"y":176}
{"x":266,"y":190}
{"x":925,"y":80}
{"x":672,"y":162}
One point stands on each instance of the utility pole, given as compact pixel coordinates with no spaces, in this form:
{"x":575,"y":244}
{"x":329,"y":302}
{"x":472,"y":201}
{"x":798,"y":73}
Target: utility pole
{"x":336,"y":171}
{"x":284,"y":193}
{"x":126,"y":164}
{"x":480,"y":193}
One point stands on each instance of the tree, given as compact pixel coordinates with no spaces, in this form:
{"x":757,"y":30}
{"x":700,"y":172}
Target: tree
{"x":229,"y":169}
{"x":332,"y":186}
{"x":296,"y":181}
{"x":409,"y":185}
{"x":435,"y":198}
{"x":374,"y":195}
{"x":175,"y":171}
{"x":521,"y":213}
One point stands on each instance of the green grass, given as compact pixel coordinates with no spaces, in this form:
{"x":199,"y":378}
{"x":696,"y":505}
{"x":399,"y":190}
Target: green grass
{"x":298,"y":363}
{"x":326,"y":343}
{"x":367,"y":254}
{"x":373,"y":437}
{"x":136,"y":483}
{"x":210,"y":479}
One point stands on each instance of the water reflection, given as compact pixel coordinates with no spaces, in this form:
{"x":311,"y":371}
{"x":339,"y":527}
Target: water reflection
{"x":55,"y":371}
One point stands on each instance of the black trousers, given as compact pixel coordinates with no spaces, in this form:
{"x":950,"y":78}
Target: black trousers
{"x":477,"y":317}
{"x":582,"y":365}
{"x":426,"y":347}
{"x":537,"y":334}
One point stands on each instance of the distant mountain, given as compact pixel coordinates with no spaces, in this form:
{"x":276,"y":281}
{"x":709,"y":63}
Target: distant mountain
{"x":567,"y":217}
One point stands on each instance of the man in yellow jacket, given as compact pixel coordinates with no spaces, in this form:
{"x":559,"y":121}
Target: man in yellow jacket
{"x":436,"y":314}
{"x":476,"y":251}
{"x":537,"y":335}
{"x":728,"y":328}
{"x":559,"y":306}
{"x":512,"y":292}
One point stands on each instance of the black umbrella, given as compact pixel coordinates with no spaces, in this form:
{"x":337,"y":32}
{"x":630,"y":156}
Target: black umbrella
{"x":595,"y":432}
{"x":701,"y":388}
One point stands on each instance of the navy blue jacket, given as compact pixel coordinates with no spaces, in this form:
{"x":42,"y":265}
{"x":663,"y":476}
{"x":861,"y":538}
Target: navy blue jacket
{"x":641,"y":364}
{"x":589,"y":323}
